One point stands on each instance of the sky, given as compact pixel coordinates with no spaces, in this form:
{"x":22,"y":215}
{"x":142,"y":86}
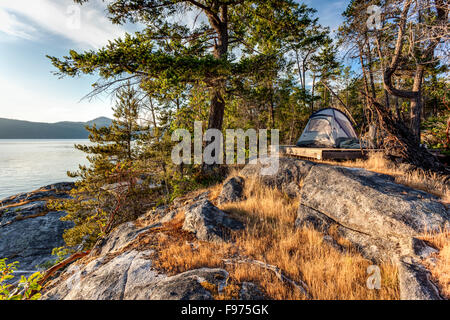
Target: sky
{"x":32,"y":29}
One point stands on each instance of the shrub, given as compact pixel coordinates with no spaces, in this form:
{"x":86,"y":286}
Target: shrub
{"x":26,"y":289}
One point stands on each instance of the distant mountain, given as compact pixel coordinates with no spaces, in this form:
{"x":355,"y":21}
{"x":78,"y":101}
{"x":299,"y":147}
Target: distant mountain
{"x":18,"y":129}
{"x":100,"y":122}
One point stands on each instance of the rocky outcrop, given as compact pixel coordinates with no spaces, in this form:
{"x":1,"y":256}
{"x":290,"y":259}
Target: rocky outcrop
{"x":288,"y":177}
{"x":250,"y":291}
{"x":208,"y":223}
{"x":28,"y":230}
{"x":104,"y":279}
{"x":378,"y":216}
{"x":130,"y":276}
{"x":120,"y":237}
{"x":381,"y":218}
{"x":371,"y":203}
{"x":415,"y":281}
{"x":166,"y":213}
{"x":117,"y":271}
{"x":232,"y":191}
{"x":189,"y":285}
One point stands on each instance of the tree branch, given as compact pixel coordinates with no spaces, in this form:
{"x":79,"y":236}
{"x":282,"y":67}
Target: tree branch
{"x":301,"y":286}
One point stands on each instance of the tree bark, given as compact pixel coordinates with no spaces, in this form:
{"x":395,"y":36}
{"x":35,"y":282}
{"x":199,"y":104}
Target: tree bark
{"x":301,"y":70}
{"x":390,"y":70}
{"x":217,"y":108}
{"x":414,"y":95}
{"x":380,"y":56}
{"x":313,"y":92}
{"x":397,"y":109}
{"x":447,"y":133}
{"x":271,"y":107}
{"x":62,"y":264}
{"x":417,"y":104}
{"x":369,"y":66}
{"x":366,"y":84}
{"x":152,"y":109}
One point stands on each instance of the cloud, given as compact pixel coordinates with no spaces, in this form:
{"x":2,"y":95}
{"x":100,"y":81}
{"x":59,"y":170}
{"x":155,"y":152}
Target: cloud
{"x":86,"y":26}
{"x":20,"y":102}
{"x":10,"y":25}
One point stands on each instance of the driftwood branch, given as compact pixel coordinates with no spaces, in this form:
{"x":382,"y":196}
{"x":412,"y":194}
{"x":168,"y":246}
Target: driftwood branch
{"x":301,"y":286}
{"x":61,"y":265}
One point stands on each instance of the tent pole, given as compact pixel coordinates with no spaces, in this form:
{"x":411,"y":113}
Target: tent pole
{"x":342,"y":102}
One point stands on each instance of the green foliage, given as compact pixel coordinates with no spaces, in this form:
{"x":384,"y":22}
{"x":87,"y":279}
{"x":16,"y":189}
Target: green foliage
{"x":172,"y":61}
{"x":26,"y":289}
{"x":261,"y":64}
{"x":116,"y":185}
{"x":434,"y":132}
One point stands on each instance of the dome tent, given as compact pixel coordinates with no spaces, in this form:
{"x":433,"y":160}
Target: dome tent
{"x":329,"y":128}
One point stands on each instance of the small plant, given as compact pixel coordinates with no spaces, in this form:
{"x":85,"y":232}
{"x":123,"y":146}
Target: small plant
{"x":61,"y":253}
{"x":26,"y":289}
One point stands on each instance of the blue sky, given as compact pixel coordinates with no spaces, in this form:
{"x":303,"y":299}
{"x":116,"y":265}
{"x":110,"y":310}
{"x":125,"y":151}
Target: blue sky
{"x":31,"y":29}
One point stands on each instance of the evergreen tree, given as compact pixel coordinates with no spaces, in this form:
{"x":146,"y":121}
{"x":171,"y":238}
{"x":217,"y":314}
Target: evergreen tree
{"x":114,"y":187}
{"x":168,"y":53}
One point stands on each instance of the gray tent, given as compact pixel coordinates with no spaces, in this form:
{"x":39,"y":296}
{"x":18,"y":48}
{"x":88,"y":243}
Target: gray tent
{"x":329,"y":128}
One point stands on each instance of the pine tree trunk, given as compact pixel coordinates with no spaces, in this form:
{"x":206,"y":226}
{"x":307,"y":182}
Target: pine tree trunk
{"x":271,"y":108}
{"x":369,"y":66}
{"x":366,"y":84}
{"x":217,"y":108}
{"x":417,"y":104}
{"x":313,"y":89}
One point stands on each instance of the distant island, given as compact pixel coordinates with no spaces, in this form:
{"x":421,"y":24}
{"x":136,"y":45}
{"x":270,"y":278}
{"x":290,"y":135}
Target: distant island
{"x":18,"y":129}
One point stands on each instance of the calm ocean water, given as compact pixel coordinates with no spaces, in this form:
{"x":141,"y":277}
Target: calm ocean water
{"x":26,"y":165}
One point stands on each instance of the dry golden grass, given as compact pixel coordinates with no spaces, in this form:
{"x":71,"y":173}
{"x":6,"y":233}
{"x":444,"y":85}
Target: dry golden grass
{"x":271,"y":237}
{"x":302,"y":254}
{"x":418,"y":179}
{"x":440,"y":267}
{"x":214,"y":191}
{"x":230,"y":292}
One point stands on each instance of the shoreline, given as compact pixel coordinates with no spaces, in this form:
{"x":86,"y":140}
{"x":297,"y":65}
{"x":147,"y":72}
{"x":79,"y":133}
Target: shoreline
{"x":30,"y":231}
{"x":50,"y":188}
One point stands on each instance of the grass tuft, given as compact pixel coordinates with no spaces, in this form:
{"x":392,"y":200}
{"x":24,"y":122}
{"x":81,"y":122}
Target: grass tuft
{"x":439,"y":263}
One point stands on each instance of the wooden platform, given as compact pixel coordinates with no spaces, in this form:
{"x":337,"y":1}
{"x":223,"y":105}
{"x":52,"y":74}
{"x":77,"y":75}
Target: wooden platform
{"x":322,"y":153}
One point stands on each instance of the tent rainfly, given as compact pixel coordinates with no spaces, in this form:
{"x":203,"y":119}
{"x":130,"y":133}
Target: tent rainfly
{"x":329,"y":128}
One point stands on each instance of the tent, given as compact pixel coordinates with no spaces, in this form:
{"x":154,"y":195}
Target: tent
{"x":329,"y":128}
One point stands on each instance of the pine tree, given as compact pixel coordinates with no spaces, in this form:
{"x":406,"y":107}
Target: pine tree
{"x":112,"y":189}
